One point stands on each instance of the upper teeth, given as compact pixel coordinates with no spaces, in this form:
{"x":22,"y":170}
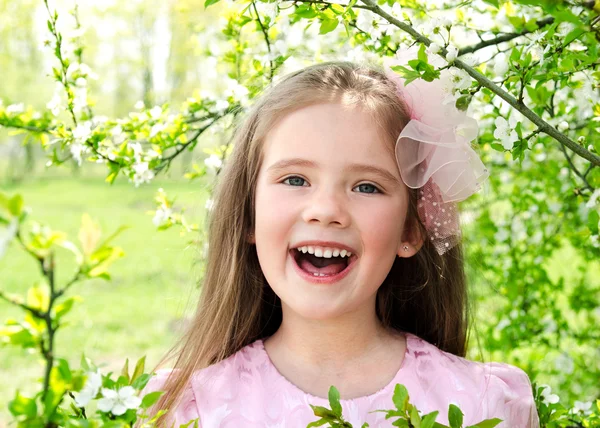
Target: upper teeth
{"x":324,"y":251}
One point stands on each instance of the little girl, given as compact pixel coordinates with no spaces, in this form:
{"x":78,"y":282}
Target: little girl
{"x":335,"y":259}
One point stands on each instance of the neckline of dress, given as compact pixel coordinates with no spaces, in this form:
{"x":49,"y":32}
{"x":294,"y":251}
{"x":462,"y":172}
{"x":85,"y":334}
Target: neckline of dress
{"x":405,"y":361}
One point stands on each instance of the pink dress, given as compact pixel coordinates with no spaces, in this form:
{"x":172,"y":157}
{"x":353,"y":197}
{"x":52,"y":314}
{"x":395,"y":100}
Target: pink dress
{"x":246,"y":390}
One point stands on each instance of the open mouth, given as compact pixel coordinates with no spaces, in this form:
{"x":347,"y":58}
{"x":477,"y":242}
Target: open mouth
{"x":321,"y":266}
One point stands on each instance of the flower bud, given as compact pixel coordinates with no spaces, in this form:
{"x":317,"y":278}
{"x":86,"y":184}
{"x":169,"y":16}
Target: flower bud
{"x":563,"y":126}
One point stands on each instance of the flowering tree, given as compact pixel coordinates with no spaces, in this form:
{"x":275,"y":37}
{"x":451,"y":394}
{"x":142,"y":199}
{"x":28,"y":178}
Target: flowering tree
{"x":527,"y":71}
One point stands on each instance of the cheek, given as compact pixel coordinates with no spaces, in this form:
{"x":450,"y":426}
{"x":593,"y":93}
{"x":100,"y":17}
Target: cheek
{"x":274,"y":209}
{"x":381,"y":226}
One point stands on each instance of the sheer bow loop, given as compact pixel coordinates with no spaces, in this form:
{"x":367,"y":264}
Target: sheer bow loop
{"x":434,"y":151}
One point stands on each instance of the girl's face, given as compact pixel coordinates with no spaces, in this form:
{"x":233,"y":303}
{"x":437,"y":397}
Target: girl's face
{"x":328,"y":180}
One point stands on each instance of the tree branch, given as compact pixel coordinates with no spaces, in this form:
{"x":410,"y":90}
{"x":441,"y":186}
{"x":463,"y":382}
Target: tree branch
{"x":503,"y":38}
{"x":544,"y":127}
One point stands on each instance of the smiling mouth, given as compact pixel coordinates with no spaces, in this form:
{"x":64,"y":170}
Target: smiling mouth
{"x":321,"y":266}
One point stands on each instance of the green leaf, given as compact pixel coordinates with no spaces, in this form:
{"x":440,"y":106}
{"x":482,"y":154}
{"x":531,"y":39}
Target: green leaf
{"x":576,"y":33}
{"x":429,"y":420}
{"x":403,"y":423}
{"x":63,"y":308}
{"x":150,"y":399}
{"x":415,"y":419}
{"x":15,"y":205}
{"x":400,"y":397}
{"x":209,"y":3}
{"x":139,"y":369}
{"x":21,"y":405}
{"x":328,"y":25}
{"x":531,"y":25}
{"x":455,"y":416}
{"x":323,"y":412}
{"x":334,"y":401}
{"x":422,"y":55}
{"x":38,"y":297}
{"x":125,"y":370}
{"x":305,"y":11}
{"x":86,"y":364}
{"x":488,"y":423}
{"x":492,"y":3}
{"x":141,"y":381}
{"x":318,"y":423}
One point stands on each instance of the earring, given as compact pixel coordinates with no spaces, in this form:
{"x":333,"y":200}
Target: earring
{"x":405,"y":248}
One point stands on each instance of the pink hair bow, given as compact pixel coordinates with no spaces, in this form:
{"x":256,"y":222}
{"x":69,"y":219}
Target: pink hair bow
{"x":433,"y":151}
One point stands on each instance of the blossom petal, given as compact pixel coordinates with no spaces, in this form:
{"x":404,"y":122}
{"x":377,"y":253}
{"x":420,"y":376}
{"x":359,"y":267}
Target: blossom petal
{"x":126,"y":392}
{"x":132,"y":402}
{"x":109,"y":393}
{"x":118,"y":409}
{"x":106,"y":404}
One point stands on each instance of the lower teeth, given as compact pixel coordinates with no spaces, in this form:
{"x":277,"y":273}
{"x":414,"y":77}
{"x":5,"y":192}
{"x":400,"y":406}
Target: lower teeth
{"x":319,"y":274}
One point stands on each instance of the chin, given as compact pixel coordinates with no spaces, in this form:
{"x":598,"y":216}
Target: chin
{"x":312,"y":311}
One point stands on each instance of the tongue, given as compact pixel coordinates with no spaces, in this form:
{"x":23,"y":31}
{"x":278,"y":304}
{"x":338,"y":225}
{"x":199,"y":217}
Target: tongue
{"x":331,"y":266}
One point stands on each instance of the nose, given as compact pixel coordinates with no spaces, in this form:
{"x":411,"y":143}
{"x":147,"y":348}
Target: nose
{"x":327,"y":207}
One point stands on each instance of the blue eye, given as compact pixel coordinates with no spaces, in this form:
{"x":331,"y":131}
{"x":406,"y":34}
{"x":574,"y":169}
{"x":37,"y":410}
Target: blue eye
{"x":369,"y":186}
{"x":296,"y":181}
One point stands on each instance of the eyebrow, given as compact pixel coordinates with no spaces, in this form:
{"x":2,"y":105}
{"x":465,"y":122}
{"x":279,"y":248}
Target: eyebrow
{"x":355,"y":167}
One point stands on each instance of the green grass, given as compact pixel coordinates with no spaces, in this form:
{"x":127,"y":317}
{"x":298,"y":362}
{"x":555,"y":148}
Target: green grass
{"x":139,"y":311}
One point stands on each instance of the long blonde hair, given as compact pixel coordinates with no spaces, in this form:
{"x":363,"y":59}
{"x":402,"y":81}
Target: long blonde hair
{"x":424,"y":295}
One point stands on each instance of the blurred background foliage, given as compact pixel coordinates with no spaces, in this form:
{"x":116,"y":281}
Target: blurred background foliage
{"x":530,"y":236}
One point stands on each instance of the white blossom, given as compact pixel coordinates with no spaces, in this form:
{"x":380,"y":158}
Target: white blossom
{"x":213,"y":162}
{"x":80,"y":100}
{"x":452,"y":53}
{"x":209,"y":204}
{"x":583,"y":407}
{"x":504,"y":133}
{"x":500,"y":65}
{"x":89,"y":390}
{"x":156,"y":128}
{"x":591,"y":203}
{"x":433,"y":48}
{"x":139,"y":105}
{"x":155,"y":112}
{"x":563,"y":126}
{"x":83,"y":132}
{"x":547,"y":396}
{"x":137,"y":149}
{"x":236,"y":91}
{"x":117,"y":402}
{"x":77,"y":149}
{"x":222,"y":105}
{"x":142,"y":174}
{"x":15,"y":108}
{"x":504,"y":322}
{"x":54,"y":105}
{"x":162,"y":215}
{"x":460,"y":78}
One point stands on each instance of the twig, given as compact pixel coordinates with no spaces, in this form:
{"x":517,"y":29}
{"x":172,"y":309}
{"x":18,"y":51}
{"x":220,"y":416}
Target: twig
{"x":576,"y":171}
{"x":28,"y":308}
{"x":267,"y":41}
{"x":167,"y":160}
{"x":503,"y":38}
{"x":484,"y":81}
{"x":27,"y":128}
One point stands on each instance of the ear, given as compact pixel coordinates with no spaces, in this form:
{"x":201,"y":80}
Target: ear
{"x":411,"y":241}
